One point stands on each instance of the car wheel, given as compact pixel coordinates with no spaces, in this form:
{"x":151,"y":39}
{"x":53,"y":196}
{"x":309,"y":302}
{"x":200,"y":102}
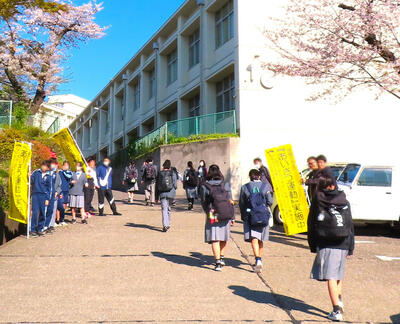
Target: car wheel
{"x":277,"y":216}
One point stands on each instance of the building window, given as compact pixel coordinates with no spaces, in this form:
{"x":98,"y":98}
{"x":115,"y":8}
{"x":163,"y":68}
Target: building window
{"x":224,"y":24}
{"x":194,"y":106}
{"x":152,"y":83}
{"x":225,"y":94}
{"x":194,"y":48}
{"x":172,"y":74}
{"x":136,"y":96}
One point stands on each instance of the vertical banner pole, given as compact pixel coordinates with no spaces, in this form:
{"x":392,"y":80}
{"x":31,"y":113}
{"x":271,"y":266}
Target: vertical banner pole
{"x":28,"y":221}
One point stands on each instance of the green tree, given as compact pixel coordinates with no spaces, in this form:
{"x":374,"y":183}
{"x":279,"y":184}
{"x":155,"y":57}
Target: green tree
{"x":10,"y":8}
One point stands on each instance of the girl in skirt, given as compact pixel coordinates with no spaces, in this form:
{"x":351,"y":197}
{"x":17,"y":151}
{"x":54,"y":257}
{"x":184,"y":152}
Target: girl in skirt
{"x":217,"y":232}
{"x":256,"y":235}
{"x":329,"y":264}
{"x":76,"y":194}
{"x":130,"y":180}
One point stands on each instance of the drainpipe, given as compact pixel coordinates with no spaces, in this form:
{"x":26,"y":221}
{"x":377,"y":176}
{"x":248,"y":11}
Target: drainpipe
{"x":201,"y":4}
{"x":156,"y":48}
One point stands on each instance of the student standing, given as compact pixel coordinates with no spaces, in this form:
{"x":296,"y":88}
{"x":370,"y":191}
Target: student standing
{"x":216,"y":199}
{"x":254,"y":203}
{"x":65,"y":176}
{"x":324,"y":169}
{"x":190,"y":182}
{"x":52,"y":207}
{"x":92,"y":185}
{"x":265,"y":175}
{"x":76,"y":194}
{"x":149,"y":177}
{"x":130,"y":180}
{"x":104,"y":177}
{"x":40,"y":183}
{"x":331,"y":236}
{"x":309,"y":181}
{"x":166,"y":191}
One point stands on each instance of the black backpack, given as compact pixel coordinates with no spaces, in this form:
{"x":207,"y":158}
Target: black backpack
{"x":259,"y":212}
{"x":191,"y":178}
{"x":165,"y":181}
{"x":333,"y":223}
{"x":150,"y":172}
{"x":220,"y":201}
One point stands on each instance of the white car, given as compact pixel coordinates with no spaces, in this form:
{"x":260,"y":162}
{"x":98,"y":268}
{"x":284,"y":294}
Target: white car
{"x":373,"y":192}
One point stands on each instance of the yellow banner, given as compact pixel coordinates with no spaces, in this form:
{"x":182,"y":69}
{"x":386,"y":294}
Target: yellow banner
{"x":71,"y":151}
{"x":289,"y":191}
{"x":18,"y":182}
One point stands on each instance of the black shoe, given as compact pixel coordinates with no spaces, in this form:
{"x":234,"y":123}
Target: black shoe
{"x":84,"y":221}
{"x":49,"y":231}
{"x":147,"y":203}
{"x":165,"y":229}
{"x":33,"y":234}
{"x":73,"y":221}
{"x":116,"y":213}
{"x":41,"y":233}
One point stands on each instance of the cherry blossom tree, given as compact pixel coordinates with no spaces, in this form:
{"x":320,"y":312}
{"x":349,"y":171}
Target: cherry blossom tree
{"x":339,"y":45}
{"x":9,"y":8}
{"x":34,"y":45}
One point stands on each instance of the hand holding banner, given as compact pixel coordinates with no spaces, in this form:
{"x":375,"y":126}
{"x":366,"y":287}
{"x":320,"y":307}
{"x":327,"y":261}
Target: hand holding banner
{"x":18,"y":190}
{"x":289,"y":192}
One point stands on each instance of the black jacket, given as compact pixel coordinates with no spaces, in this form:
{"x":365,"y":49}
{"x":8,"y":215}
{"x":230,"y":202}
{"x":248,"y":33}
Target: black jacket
{"x":265,"y":176}
{"x":326,"y":198}
{"x":313,"y":181}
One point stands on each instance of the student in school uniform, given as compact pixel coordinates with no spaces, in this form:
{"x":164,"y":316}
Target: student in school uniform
{"x":40,"y":184}
{"x":166,"y":185}
{"x":190,"y":182}
{"x":92,"y":185}
{"x":216,"y":199}
{"x":76,"y":194}
{"x":255,"y":200}
{"x":331,"y":236}
{"x":104,"y":178}
{"x":65,"y":175}
{"x":52,"y":207}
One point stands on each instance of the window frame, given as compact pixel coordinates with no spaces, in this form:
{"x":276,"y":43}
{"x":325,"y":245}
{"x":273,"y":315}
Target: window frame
{"x":194,"y":48}
{"x":226,"y":92}
{"x":172,"y":67}
{"x":136,"y":95}
{"x":223,"y":21}
{"x":194,"y":106}
{"x":152,"y":83}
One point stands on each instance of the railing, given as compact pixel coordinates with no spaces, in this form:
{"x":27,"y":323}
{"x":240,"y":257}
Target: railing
{"x":6,"y":120}
{"x":54,"y":127}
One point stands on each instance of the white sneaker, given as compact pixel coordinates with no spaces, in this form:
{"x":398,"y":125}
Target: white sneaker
{"x":64,"y":224}
{"x":258,"y":266}
{"x":336,"y":316}
{"x":341,"y":305}
{"x":56,"y":225}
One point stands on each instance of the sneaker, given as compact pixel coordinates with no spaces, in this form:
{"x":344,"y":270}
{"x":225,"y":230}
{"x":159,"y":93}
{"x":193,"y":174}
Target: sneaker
{"x":116,"y":213}
{"x":222,"y":261}
{"x":57,"y":224}
{"x":131,"y":201}
{"x":151,"y":205}
{"x":33,"y":234}
{"x":45,"y":228}
{"x":147,"y":203}
{"x":84,"y":221}
{"x":218,"y":266}
{"x":73,"y":221}
{"x":336,"y":316}
{"x":41,"y":233}
{"x":166,"y":228}
{"x":341,"y":305}
{"x":258,"y":266}
{"x":63,"y":224}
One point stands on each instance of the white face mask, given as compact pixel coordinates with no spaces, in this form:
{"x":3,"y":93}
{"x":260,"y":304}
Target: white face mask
{"x":201,"y":164}
{"x":106,"y":164}
{"x":78,"y":169}
{"x":257,"y":166}
{"x":53,"y":167}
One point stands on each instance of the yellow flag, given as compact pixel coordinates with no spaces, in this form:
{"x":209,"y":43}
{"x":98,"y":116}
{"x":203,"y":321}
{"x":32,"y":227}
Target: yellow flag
{"x":18,"y":182}
{"x":290,"y":194}
{"x":71,"y":151}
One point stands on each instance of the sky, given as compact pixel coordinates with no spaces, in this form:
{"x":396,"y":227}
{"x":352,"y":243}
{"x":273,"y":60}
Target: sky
{"x":131,"y":24}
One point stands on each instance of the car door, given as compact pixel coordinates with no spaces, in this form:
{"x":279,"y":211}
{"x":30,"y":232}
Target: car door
{"x":372,"y":197}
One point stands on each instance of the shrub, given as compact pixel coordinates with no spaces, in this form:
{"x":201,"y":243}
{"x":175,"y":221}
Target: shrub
{"x":40,"y":152}
{"x":8,"y":136}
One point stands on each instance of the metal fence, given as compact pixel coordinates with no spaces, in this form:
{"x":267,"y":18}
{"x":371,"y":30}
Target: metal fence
{"x":54,"y":127}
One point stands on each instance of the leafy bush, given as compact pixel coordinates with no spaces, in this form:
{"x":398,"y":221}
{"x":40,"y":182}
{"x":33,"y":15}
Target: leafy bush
{"x":7,"y":138}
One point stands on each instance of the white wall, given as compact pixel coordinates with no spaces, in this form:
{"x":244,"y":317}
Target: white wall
{"x":358,"y":128}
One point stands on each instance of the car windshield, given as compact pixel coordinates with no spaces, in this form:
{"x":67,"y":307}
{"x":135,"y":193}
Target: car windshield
{"x":349,"y":173}
{"x":337,"y":170}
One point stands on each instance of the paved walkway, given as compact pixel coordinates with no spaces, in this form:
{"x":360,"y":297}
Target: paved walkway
{"x":125,"y":270}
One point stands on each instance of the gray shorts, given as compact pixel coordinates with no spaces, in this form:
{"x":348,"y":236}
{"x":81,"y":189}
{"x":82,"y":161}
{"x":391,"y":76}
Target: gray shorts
{"x":329,"y":264}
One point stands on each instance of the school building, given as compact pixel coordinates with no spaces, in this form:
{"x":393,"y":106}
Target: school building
{"x":207,"y":58}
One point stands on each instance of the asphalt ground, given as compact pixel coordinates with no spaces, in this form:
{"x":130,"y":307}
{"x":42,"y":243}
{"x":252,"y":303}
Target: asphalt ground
{"x":124,"y":269}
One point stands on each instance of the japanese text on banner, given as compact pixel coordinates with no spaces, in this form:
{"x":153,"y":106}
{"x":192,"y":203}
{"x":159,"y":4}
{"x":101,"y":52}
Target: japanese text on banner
{"x":290,"y":194}
{"x":18,"y":182}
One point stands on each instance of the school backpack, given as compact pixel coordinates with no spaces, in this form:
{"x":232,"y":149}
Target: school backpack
{"x":165,"y":182}
{"x":258,"y":211}
{"x":334,"y":223}
{"x":150,"y":173}
{"x":220,"y":201}
{"x":191,"y":178}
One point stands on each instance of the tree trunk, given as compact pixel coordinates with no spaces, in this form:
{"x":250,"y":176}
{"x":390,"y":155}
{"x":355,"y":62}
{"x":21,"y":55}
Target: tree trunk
{"x":37,"y":101}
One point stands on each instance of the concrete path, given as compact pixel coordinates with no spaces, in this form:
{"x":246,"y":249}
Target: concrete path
{"x":125,"y":270}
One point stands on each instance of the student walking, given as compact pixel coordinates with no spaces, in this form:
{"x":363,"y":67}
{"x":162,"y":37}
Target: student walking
{"x":331,"y":236}
{"x":166,"y":191}
{"x":76,"y":193}
{"x":104,"y":177}
{"x":149,"y":177}
{"x":91,"y":187}
{"x":216,"y":199}
{"x":130,"y":180}
{"x":40,"y":183}
{"x":202,"y":172}
{"x":190,"y":183}
{"x":255,"y":200}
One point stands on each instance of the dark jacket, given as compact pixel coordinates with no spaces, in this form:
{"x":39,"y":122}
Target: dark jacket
{"x":65,"y":176}
{"x":265,"y":176}
{"x":101,"y":173}
{"x":40,"y":183}
{"x":202,"y":174}
{"x":323,"y":199}
{"x":312,"y":183}
{"x":169,"y":194}
{"x":326,"y":173}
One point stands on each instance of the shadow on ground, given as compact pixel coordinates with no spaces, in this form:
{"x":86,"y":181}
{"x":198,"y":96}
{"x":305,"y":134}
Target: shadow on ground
{"x":395,"y":318}
{"x":280,"y":301}
{"x":144,"y":226}
{"x":199,"y":260}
